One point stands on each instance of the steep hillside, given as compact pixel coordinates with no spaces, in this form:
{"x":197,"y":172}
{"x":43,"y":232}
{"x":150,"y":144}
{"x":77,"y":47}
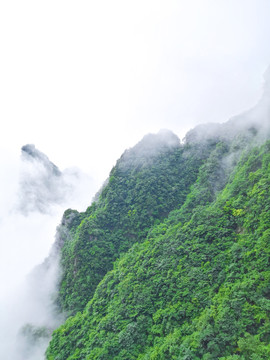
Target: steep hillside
{"x":171,"y":260}
{"x":198,"y":286}
{"x":147,"y":182}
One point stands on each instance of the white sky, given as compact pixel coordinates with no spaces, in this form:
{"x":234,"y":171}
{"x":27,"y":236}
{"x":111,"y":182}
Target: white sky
{"x":84,"y":80}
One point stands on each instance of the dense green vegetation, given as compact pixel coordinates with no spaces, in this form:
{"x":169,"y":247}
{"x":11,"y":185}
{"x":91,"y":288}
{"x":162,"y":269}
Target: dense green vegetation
{"x":147,"y":183}
{"x":172,"y":260}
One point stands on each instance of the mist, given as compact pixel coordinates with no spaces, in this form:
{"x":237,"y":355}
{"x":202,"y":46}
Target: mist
{"x":102,"y":75}
{"x":85,"y":81}
{"x":34,"y":195}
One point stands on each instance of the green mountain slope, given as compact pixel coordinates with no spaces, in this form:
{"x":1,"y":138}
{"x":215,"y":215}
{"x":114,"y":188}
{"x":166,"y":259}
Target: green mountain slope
{"x":191,"y":226}
{"x":193,"y":290}
{"x":147,"y":182}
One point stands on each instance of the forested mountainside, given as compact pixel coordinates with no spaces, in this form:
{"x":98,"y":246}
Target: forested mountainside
{"x":147,"y":183}
{"x":171,"y":260}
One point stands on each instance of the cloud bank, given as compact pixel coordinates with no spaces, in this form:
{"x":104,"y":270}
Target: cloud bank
{"x":35,"y":192}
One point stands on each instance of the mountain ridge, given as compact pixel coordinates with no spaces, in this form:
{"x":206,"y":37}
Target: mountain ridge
{"x":134,"y":313}
{"x":129,"y":314}
{"x":176,"y":237}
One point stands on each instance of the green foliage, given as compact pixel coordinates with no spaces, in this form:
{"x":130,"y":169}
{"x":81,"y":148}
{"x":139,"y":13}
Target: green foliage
{"x":145,"y":185}
{"x":192,"y":283}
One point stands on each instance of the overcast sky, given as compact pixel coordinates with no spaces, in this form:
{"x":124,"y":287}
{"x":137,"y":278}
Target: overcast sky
{"x":83,"y":80}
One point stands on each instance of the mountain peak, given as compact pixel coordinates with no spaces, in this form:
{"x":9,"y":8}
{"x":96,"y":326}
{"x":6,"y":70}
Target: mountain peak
{"x":151,"y":146}
{"x":31,"y":153}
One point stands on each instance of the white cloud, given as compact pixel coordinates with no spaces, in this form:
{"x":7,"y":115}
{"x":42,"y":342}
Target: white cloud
{"x":33,"y":200}
{"x":85,"y":80}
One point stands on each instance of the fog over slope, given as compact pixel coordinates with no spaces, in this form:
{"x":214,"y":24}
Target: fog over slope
{"x":43,"y":185}
{"x":256,"y":119}
{"x":35,"y":194}
{"x":124,"y":318}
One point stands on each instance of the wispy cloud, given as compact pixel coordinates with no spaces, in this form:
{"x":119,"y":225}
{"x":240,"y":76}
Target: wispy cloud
{"x":35,"y":194}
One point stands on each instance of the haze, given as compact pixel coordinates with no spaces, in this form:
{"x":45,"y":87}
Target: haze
{"x":85,"y":80}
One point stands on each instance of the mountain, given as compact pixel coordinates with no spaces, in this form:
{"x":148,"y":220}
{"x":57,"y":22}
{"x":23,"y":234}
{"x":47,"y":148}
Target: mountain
{"x":196,"y":288}
{"x":147,"y":183}
{"x":43,"y":186}
{"x":171,"y":259}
